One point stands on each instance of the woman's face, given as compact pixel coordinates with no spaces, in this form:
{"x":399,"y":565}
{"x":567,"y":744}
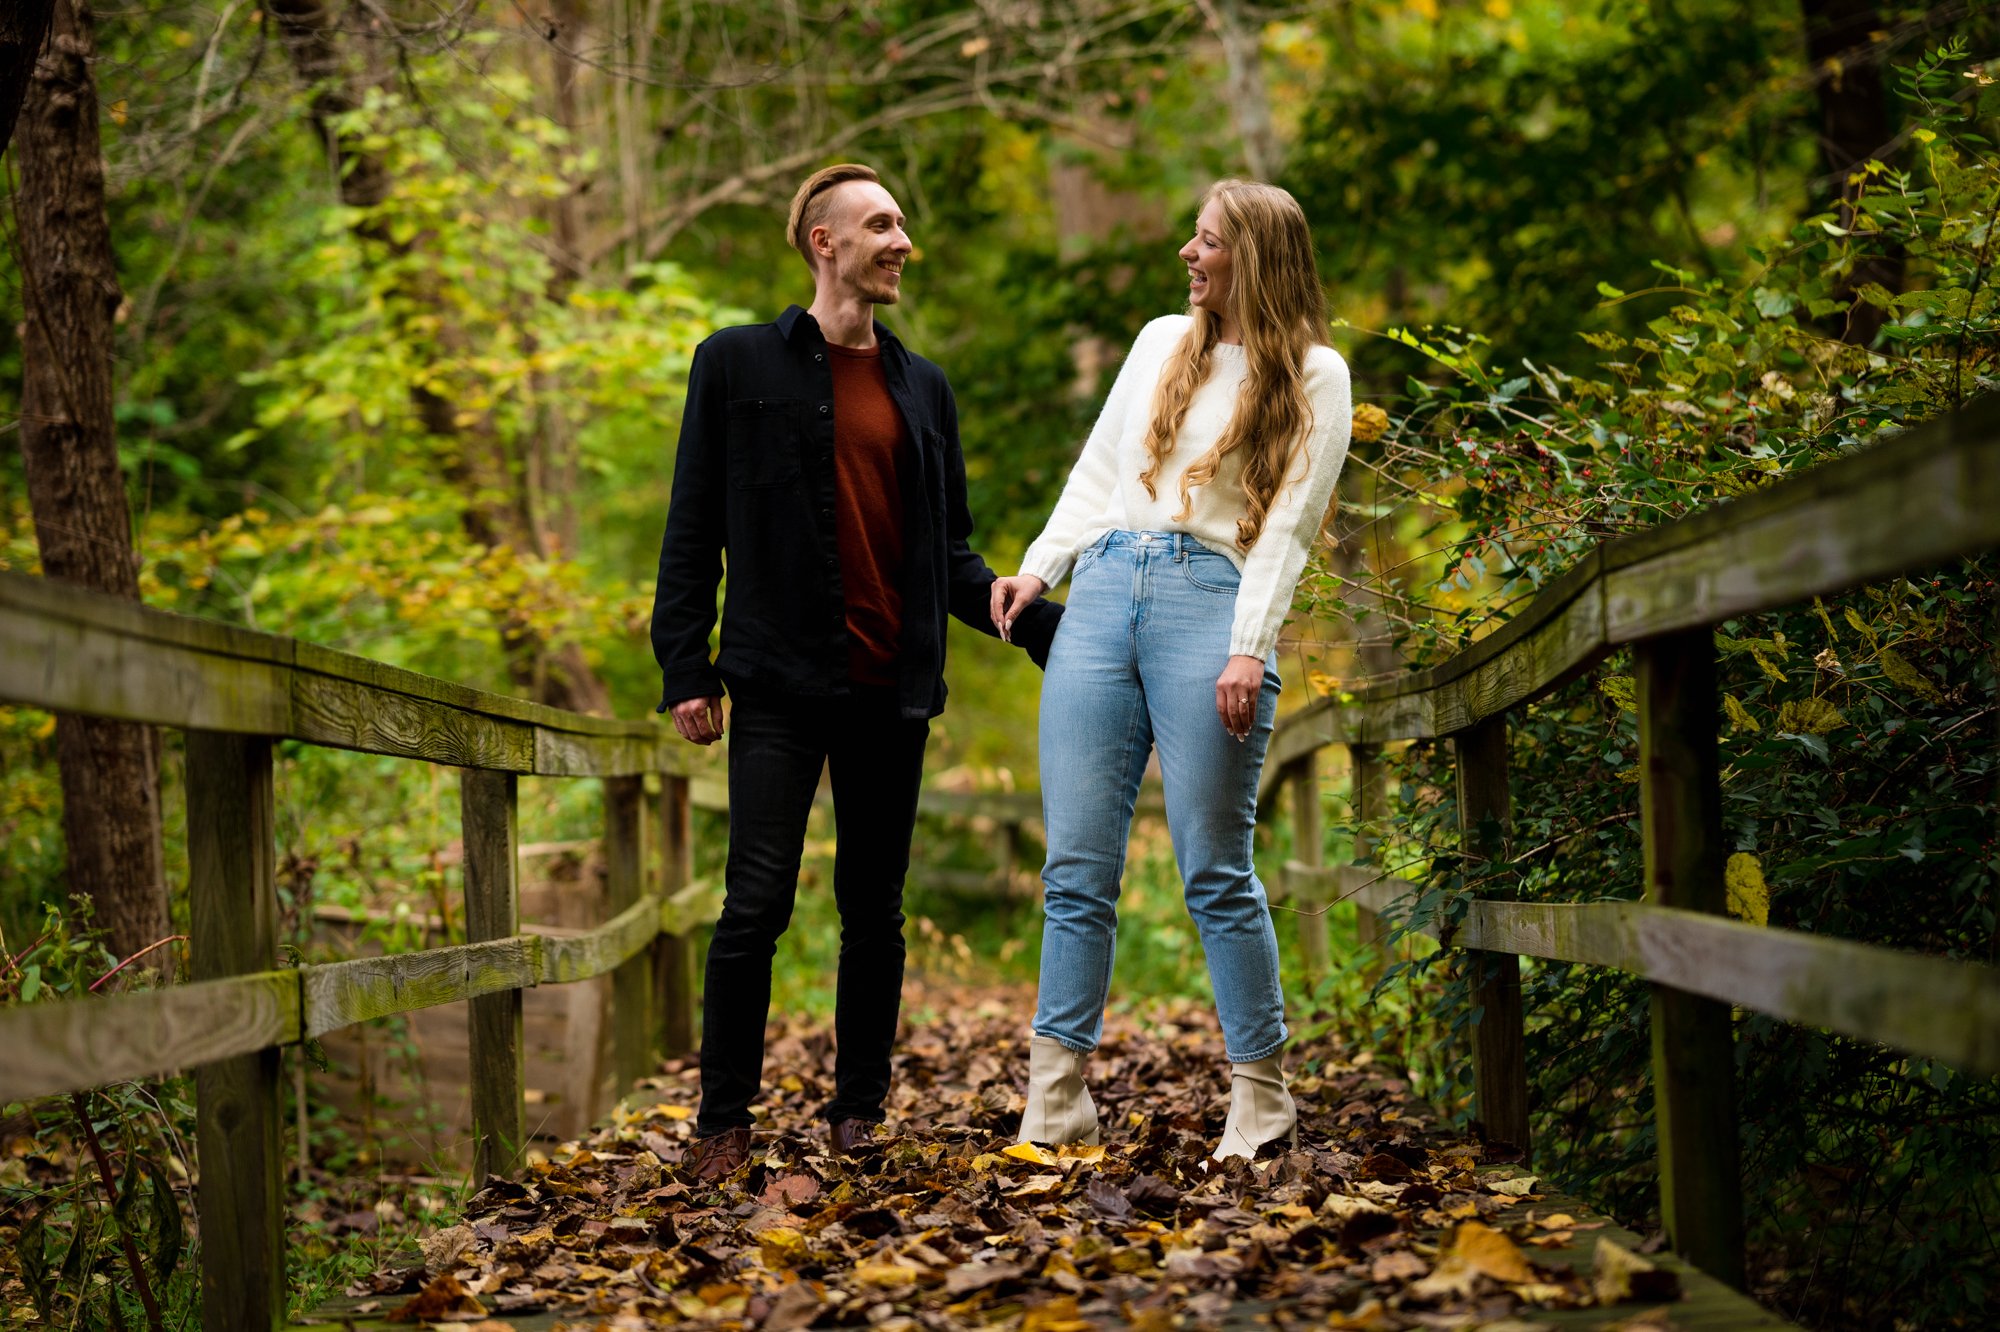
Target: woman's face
{"x":1208,"y":262}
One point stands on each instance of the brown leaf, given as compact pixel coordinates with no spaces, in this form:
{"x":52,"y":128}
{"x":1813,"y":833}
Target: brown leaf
{"x":1384,"y":1166}
{"x":1397,"y":1266}
{"x":1153,"y":1195}
{"x":1617,"y":1274}
{"x":1105,"y":1199}
{"x":796,"y":1307}
{"x":970,"y":1277}
{"x":789,"y":1191}
{"x":443,"y":1300}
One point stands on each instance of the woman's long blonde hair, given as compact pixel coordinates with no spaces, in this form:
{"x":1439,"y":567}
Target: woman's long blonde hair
{"x":1280,"y":313}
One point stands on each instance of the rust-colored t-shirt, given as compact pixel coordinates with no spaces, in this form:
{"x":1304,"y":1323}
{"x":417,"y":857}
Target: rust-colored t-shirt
{"x":869,"y":443}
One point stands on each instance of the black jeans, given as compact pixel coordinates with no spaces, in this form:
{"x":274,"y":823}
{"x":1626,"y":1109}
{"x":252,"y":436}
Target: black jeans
{"x":777,"y":745}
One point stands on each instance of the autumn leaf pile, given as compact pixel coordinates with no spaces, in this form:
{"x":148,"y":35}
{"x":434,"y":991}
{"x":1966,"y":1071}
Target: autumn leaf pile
{"x":1376,"y":1220}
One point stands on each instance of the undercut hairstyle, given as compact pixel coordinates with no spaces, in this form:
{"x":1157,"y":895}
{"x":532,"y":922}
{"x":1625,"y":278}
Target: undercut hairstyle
{"x":814,"y":201}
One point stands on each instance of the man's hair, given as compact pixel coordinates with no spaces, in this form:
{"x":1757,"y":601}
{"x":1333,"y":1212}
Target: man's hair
{"x":815,"y":200}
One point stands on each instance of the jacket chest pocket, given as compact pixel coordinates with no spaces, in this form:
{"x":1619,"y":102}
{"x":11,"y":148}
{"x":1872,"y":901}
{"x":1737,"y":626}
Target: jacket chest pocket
{"x":763,"y":442}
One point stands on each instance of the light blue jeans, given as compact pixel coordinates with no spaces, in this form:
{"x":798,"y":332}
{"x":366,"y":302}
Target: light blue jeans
{"x":1134,"y":665}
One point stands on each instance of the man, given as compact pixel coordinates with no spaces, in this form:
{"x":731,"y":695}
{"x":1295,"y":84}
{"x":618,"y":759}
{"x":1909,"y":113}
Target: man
{"x":824,"y":458}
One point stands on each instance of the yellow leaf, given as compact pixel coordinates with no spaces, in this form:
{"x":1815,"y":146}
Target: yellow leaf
{"x":1749,"y":898}
{"x":887,"y":1274}
{"x":1860,"y":625}
{"x":1036,"y":1186}
{"x":1082,"y":1155}
{"x":1739,"y":716}
{"x":1898,"y":669}
{"x":665,"y":1111}
{"x":1620,"y":689}
{"x":1368,"y":423}
{"x":1489,"y":1252}
{"x":116,"y":111}
{"x":1029,"y":1152}
{"x":781,"y":1246}
{"x":1809,"y":716}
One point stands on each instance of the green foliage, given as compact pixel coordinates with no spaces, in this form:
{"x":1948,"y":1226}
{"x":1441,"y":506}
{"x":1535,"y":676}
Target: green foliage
{"x":75,"y":1227}
{"x":1858,"y":758}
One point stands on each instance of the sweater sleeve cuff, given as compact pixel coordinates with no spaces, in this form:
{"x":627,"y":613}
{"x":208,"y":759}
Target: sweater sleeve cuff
{"x":1051,"y":566}
{"x":1259,"y":645}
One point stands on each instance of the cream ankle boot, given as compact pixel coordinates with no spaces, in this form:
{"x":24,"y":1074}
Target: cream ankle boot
{"x":1260,"y":1109}
{"x":1060,"y":1110}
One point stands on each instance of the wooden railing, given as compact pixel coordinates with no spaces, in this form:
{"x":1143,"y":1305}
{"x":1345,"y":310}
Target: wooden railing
{"x":235,"y":694}
{"x":1919,"y":500}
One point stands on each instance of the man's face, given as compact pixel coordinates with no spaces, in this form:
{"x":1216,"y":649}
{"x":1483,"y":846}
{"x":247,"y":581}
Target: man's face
{"x":865,"y":232}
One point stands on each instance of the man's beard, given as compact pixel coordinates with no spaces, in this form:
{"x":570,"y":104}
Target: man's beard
{"x":874,"y":283}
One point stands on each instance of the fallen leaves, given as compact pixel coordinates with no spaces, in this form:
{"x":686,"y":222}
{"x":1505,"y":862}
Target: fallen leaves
{"x":1377,"y":1220}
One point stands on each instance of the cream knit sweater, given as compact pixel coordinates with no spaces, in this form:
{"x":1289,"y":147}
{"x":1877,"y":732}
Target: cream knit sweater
{"x":1103,"y":493}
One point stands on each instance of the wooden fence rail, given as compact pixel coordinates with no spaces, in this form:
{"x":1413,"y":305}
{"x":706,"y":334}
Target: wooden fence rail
{"x":1920,"y":500}
{"x":234,"y":693}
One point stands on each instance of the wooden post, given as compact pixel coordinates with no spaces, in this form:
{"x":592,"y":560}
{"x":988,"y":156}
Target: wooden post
{"x":238,"y":1133}
{"x":1371,"y":809}
{"x":487,"y":810}
{"x":1308,"y":848}
{"x":1694,"y":1054}
{"x":633,"y":1025}
{"x":1499,"y":1062}
{"x":677,"y":956}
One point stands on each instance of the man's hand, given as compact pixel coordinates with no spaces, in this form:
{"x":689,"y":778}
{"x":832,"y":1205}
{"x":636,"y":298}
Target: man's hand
{"x":1011,"y":596}
{"x":699,"y":719}
{"x":1236,"y":694}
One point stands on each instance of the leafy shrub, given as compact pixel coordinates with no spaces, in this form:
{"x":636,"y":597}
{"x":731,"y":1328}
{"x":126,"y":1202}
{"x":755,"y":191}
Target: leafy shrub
{"x":1857,"y":736}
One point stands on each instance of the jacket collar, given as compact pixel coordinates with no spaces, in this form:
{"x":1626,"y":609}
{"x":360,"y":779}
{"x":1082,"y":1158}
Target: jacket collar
{"x":795,"y":323}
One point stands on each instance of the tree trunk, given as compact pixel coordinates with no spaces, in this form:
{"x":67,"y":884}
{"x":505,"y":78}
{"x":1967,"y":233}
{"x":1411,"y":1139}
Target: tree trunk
{"x":23,"y":26}
{"x":500,"y":504}
{"x":109,"y":770}
{"x":1249,"y":100}
{"x":1854,"y":126}
{"x":306,"y":28}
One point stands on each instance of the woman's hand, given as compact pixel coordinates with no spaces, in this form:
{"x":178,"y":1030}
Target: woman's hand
{"x":1236,"y":694}
{"x":1011,"y":596}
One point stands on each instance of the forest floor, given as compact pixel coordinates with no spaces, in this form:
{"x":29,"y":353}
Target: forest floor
{"x":1378,"y":1219}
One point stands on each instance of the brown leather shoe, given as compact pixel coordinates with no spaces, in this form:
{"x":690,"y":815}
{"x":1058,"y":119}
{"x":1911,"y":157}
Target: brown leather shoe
{"x":852,"y":1137}
{"x":720,"y":1155}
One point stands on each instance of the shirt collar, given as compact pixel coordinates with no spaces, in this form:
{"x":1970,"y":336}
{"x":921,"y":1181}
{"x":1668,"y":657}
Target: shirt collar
{"x":794,"y":321}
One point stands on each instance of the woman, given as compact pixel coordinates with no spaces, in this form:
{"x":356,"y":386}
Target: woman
{"x":1184,"y":528}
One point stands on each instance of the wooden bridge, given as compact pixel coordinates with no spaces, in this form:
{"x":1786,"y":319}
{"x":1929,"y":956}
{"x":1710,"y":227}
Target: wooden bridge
{"x":1919,"y":501}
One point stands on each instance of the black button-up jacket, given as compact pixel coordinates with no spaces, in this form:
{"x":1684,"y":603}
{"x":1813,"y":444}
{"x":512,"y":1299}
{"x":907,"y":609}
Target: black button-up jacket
{"x":754,"y":477}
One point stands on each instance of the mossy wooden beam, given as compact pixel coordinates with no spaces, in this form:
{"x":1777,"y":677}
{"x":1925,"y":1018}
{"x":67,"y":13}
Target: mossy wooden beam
{"x":691,"y":908}
{"x":76,"y":1044}
{"x":628,"y":828}
{"x":677,"y":952}
{"x":1934,"y":1007}
{"x":489,"y":805}
{"x":576,"y":957}
{"x":1916,"y":501}
{"x":1485,"y":814}
{"x":339,"y":994}
{"x":1694,"y":1052}
{"x":68,"y":649}
{"x":1308,"y":847}
{"x":1369,"y":788}
{"x":239,"y":1143}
